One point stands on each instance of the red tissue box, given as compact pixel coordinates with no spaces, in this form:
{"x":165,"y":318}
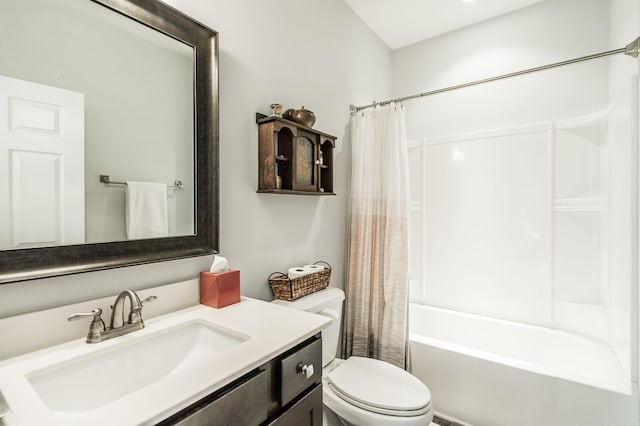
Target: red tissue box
{"x":220,"y":289}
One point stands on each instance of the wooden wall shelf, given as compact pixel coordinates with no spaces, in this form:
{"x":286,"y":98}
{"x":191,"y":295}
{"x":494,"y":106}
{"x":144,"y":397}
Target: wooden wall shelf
{"x":293,"y":159}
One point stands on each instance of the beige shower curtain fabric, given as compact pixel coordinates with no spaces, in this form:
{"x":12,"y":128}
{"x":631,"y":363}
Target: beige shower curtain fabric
{"x":376,"y":312}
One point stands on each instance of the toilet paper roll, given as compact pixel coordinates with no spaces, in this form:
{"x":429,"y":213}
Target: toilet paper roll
{"x":298,"y":271}
{"x":315,"y":268}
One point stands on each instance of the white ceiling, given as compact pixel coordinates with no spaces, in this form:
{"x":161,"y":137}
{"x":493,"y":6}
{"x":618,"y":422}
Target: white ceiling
{"x":403,"y":22}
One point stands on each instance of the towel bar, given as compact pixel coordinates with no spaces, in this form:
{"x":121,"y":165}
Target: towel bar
{"x":105,"y":179}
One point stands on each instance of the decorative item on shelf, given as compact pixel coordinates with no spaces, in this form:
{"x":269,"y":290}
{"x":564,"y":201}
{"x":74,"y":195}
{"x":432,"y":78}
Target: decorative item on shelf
{"x":276,"y":110}
{"x":300,"y":281}
{"x":301,"y":115}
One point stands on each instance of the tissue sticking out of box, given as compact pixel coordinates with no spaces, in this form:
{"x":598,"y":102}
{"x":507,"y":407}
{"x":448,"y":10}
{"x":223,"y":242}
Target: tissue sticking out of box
{"x":220,"y":264}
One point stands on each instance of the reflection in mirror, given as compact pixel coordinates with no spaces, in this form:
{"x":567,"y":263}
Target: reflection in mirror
{"x":93,"y":88}
{"x":86,"y":92}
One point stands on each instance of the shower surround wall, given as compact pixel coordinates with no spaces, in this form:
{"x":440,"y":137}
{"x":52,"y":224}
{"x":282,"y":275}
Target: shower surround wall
{"x":569,"y":127}
{"x":625,"y":25}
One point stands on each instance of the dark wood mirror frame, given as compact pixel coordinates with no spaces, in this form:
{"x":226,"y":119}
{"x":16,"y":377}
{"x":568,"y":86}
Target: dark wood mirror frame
{"x":33,"y":263}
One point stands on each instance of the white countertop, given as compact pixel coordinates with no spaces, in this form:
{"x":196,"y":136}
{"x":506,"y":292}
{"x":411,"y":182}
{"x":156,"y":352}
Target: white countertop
{"x":272,"y":329}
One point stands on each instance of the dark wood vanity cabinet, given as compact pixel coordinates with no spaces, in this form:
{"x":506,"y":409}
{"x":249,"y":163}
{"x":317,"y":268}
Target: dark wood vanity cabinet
{"x":293,"y":159}
{"x":278,"y":393}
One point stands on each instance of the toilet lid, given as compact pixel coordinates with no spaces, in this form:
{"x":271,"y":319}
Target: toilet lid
{"x":378,"y":386}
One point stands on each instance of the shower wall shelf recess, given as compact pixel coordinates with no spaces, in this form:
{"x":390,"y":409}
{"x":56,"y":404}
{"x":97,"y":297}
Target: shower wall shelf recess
{"x":591,"y":204}
{"x":581,"y":146}
{"x":293,"y":159}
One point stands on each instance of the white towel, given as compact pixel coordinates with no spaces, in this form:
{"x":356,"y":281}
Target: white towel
{"x":147,"y":210}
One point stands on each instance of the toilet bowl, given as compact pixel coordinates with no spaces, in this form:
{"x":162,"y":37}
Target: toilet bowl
{"x":362,"y":391}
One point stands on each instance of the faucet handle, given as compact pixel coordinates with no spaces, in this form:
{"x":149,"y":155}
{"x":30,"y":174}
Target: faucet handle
{"x":149,"y":299}
{"x":135,"y":316}
{"x":96,"y":314}
{"x":97,"y":326}
{"x":142,"y":302}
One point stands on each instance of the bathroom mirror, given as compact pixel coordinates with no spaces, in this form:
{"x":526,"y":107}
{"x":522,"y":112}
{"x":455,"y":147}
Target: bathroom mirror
{"x":95,"y":94}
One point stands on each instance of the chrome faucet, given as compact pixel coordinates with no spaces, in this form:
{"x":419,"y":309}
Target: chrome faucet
{"x":117,"y":326}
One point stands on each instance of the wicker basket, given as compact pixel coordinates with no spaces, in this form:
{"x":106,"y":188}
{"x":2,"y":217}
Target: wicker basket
{"x":285,"y":288}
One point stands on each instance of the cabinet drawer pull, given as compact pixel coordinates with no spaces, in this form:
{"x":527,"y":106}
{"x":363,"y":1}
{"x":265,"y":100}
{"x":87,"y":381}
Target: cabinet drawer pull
{"x":300,"y":369}
{"x":307,"y":370}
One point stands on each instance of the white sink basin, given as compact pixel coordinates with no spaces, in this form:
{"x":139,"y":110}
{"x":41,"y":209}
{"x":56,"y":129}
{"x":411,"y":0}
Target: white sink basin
{"x":90,"y":381}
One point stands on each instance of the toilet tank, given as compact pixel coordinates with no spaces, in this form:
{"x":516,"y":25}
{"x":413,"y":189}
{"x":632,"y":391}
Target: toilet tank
{"x":327,"y":302}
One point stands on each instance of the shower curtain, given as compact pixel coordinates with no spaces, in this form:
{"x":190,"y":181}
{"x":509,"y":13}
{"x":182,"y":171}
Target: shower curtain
{"x":376,"y":311}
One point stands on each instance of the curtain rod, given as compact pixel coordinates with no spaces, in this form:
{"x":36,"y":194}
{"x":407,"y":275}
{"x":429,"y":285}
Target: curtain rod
{"x":632,"y":49}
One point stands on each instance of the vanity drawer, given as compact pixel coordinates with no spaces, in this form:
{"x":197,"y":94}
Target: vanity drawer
{"x":305,"y":412}
{"x":295,"y":375}
{"x":244,"y":404}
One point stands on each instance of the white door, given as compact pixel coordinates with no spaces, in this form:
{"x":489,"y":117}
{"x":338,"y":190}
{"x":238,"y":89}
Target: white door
{"x":41,"y":165}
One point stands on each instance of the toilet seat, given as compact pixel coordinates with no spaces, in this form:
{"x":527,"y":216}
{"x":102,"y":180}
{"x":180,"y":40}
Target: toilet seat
{"x":379,"y":387}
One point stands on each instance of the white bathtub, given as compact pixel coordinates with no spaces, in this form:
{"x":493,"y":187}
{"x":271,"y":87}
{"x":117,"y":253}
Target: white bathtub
{"x":487,"y":372}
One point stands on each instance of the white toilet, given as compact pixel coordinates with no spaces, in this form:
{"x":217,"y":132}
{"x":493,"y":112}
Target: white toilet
{"x":362,"y":391}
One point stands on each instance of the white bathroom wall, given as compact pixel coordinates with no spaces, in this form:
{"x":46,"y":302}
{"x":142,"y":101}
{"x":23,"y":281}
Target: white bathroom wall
{"x":295,"y":52}
{"x":544,"y":33}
